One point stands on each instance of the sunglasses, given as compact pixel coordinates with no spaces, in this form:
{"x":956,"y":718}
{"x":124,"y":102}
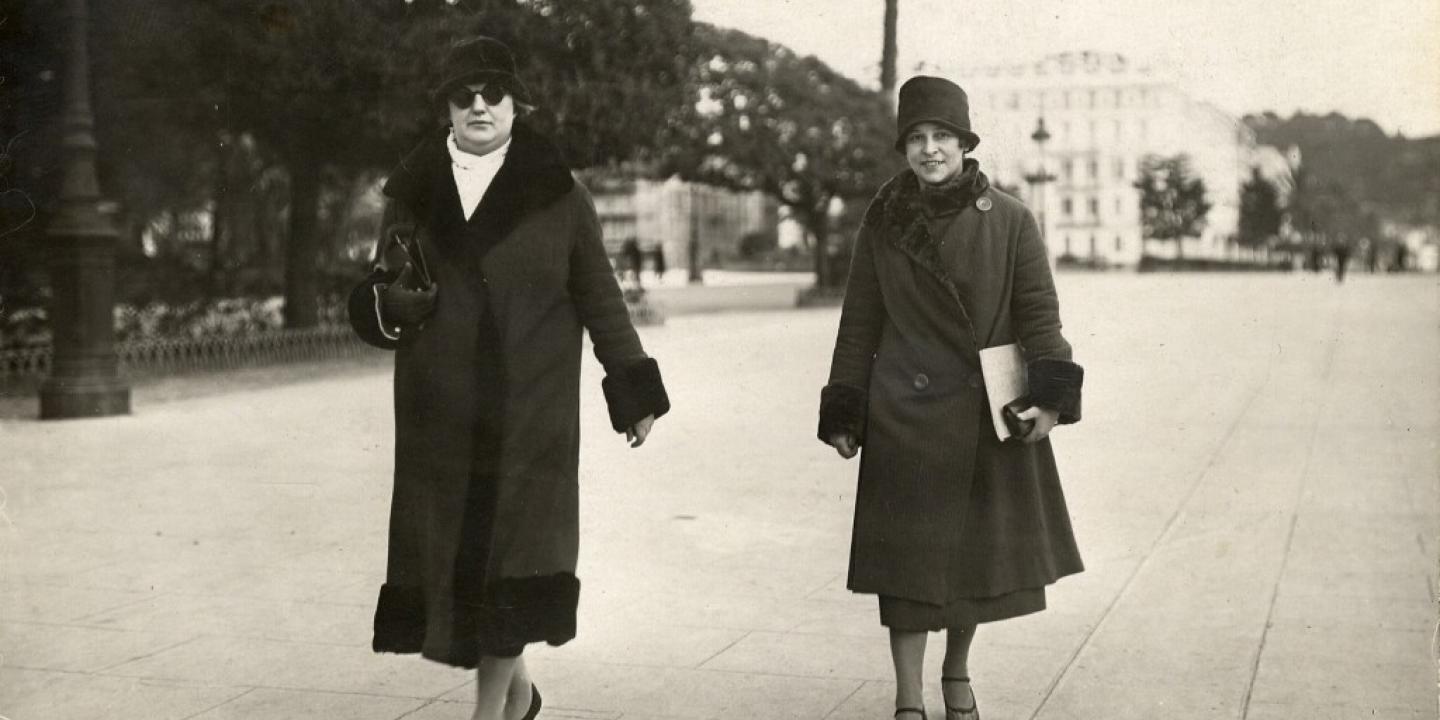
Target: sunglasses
{"x":464,"y":97}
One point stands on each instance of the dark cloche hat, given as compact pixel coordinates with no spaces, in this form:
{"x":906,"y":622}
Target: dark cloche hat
{"x":932,"y":99}
{"x":482,"y":59}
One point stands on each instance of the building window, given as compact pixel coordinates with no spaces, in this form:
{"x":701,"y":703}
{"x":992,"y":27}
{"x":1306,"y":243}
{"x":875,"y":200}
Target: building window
{"x":1066,"y":243}
{"x":1094,"y":207}
{"x":1118,"y":244}
{"x":1119,"y":207}
{"x":1094,"y":167}
{"x":1119,"y":169}
{"x":1093,"y":252}
{"x":1091,"y":99}
{"x":1069,"y":170}
{"x":1066,"y":208}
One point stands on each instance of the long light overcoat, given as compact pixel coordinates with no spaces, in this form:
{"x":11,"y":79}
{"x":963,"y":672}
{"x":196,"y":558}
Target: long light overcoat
{"x":484,"y":518}
{"x":944,"y":510}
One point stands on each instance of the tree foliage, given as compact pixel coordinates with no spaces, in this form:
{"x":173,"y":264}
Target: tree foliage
{"x":1260,"y":212}
{"x":1173,"y":205}
{"x":1394,"y":177}
{"x":270,"y":115}
{"x":758,"y":117}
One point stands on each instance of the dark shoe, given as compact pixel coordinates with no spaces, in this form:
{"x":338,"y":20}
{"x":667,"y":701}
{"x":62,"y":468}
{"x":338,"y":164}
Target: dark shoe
{"x":954,"y":713}
{"x":917,"y":711}
{"x":534,"y":703}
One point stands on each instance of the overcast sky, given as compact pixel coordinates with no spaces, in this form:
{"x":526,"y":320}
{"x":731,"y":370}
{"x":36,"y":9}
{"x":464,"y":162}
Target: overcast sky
{"x":1378,"y":59}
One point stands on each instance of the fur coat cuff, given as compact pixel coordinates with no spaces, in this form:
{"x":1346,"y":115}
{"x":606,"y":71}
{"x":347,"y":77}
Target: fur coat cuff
{"x":633,"y":392}
{"x":1055,"y":385}
{"x":842,"y":412}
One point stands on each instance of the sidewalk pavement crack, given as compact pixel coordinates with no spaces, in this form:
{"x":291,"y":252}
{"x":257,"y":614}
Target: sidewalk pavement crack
{"x":220,"y":704}
{"x":1170,"y":524}
{"x":1300,"y":488}
{"x":423,"y":705}
{"x":845,"y":699}
{"x":137,"y":658}
{"x":722,"y":651}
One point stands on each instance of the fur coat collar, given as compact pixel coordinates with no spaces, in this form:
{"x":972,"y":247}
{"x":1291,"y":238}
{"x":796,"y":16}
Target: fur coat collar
{"x":901,"y":210}
{"x":532,"y":177}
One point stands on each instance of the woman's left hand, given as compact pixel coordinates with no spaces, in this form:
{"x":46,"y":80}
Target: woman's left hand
{"x":636,"y":434}
{"x":1045,"y":420}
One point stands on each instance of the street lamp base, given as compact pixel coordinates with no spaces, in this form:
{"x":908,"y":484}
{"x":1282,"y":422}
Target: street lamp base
{"x":82,"y":397}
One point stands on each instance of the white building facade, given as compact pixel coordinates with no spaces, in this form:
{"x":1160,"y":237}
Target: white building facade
{"x":677,"y":217}
{"x":1104,"y":115}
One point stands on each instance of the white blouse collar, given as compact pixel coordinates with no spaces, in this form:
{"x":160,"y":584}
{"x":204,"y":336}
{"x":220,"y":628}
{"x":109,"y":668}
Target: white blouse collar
{"x":471,"y":162}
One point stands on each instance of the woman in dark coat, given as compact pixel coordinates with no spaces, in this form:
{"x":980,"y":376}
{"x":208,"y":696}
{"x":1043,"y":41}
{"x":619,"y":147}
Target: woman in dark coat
{"x":489,"y":268}
{"x":953,"y":527}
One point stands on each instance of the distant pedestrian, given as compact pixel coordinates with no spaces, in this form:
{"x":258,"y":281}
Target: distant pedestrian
{"x":660,"y":263}
{"x":952,"y":527}
{"x":490,"y":267}
{"x":1341,"y":250}
{"x":631,"y":260}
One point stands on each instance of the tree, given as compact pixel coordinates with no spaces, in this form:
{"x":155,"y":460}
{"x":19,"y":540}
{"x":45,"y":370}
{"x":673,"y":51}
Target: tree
{"x":606,"y":74}
{"x":334,"y":90}
{"x":1260,"y":213}
{"x":266,"y":115}
{"x":1172,"y":200}
{"x":760,"y":118}
{"x":1394,"y":178}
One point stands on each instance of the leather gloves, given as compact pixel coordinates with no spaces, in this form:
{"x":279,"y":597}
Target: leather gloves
{"x":403,"y":304}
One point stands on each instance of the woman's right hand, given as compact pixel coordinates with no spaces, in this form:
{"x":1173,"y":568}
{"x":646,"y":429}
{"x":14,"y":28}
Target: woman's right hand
{"x":401,"y":304}
{"x":844,"y":444}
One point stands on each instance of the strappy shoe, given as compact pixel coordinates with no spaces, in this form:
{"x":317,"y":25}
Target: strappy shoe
{"x":917,"y":711}
{"x":534,"y":703}
{"x":954,"y":713}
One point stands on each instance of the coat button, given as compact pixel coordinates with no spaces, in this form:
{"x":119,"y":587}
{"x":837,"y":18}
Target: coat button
{"x":922,"y":381}
{"x":984,"y":204}
{"x":976,"y":380}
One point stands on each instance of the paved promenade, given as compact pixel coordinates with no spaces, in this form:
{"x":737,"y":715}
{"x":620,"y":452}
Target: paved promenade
{"x":1255,"y":490}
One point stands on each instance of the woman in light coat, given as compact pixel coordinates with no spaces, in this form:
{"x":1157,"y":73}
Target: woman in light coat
{"x":953,"y":527}
{"x":489,"y":269}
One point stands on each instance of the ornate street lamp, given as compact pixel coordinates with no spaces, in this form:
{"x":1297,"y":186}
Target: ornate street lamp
{"x":83,"y":378}
{"x":1038,"y":179}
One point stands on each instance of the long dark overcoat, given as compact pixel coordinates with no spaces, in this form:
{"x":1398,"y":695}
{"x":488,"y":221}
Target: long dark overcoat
{"x":944,"y":510}
{"x":484,"y":517}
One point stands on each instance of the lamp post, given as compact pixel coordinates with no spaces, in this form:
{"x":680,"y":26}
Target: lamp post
{"x":83,"y":380}
{"x":1038,"y":179}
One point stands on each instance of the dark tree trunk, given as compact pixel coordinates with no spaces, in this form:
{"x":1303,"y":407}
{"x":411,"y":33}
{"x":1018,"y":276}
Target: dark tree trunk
{"x":301,"y":286}
{"x":887,"y":54}
{"x":819,"y":224}
{"x":219,"y":216}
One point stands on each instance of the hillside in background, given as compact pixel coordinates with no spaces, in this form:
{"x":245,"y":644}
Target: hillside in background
{"x":1397,"y":178}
